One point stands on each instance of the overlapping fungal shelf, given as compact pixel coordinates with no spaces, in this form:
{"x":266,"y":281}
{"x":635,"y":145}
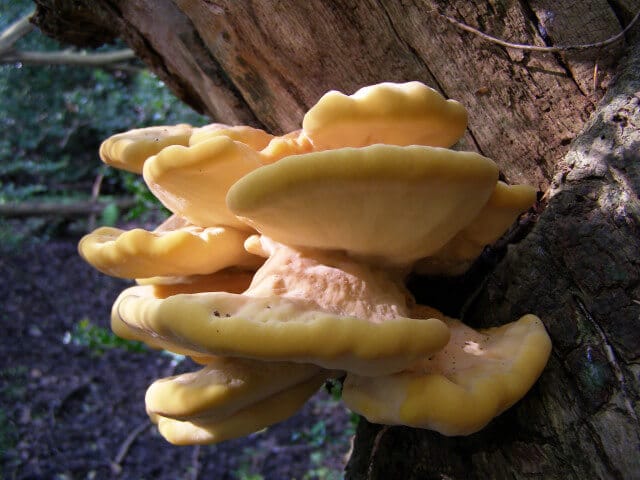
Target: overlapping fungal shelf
{"x":284,"y":263}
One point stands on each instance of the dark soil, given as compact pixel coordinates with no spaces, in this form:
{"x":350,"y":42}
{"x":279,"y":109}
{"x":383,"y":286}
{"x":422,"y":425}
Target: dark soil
{"x":68,"y":411}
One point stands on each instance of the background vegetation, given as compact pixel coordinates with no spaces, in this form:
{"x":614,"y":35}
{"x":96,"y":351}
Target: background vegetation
{"x":53,"y":118}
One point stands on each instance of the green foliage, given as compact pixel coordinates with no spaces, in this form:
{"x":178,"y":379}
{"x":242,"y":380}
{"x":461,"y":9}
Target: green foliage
{"x":244,"y":473}
{"x":109,"y":215}
{"x":54,"y":118}
{"x":13,"y":385}
{"x":354,"y":420}
{"x":145,"y":201}
{"x":8,"y":436}
{"x":248,"y":468}
{"x":13,"y":389}
{"x":315,"y":436}
{"x":319,"y":471}
{"x":334,"y":387}
{"x":99,"y":339}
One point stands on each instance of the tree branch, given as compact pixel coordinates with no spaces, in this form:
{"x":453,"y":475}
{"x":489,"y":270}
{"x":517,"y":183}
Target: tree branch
{"x":23,"y":26}
{"x":15,"y":32}
{"x":68,"y":57}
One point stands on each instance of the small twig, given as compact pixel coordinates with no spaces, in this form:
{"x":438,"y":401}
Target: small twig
{"x":73,"y":128}
{"x":374,"y":449}
{"x":116,"y":464}
{"x":535,"y":48}
{"x":23,"y":26}
{"x":95,"y":193}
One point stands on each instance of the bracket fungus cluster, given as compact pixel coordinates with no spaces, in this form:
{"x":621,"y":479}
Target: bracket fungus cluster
{"x":284,"y":264}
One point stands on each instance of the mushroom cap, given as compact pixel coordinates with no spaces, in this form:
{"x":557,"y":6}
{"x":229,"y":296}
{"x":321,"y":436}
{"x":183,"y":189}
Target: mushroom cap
{"x":506,"y":203}
{"x":255,"y":138}
{"x":193,"y":181}
{"x":255,"y":417}
{"x":390,"y":113}
{"x":222,"y":388}
{"x":477,"y":376}
{"x":293,"y":143}
{"x":274,"y":329}
{"x":129,"y":150}
{"x":393,"y":204}
{"x":188,"y":250}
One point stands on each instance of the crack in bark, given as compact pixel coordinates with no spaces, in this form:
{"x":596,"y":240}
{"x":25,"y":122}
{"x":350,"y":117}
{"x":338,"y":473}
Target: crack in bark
{"x":611,"y":357}
{"x":220,"y":72}
{"x":595,"y":434}
{"x":266,"y":38}
{"x":374,"y":449}
{"x":548,"y":41}
{"x":617,"y":10}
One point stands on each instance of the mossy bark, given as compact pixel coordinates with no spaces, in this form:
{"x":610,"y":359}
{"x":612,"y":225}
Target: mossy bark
{"x":541,"y":116}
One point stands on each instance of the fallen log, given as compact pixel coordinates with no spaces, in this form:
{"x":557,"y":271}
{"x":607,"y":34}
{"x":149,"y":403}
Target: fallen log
{"x":47,"y":209}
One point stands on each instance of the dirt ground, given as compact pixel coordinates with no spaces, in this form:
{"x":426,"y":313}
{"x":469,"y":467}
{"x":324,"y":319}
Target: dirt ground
{"x":70,"y":412}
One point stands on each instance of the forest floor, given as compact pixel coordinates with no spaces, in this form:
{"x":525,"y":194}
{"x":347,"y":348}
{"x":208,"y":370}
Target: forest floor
{"x":72,"y":400}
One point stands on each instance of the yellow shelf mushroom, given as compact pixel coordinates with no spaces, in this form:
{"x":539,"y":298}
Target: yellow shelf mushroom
{"x":457,"y":391}
{"x":381,"y":202}
{"x":129,"y":150}
{"x":252,"y":418}
{"x":342,"y":210}
{"x":188,"y":250}
{"x":389,"y":113}
{"x":252,"y":137}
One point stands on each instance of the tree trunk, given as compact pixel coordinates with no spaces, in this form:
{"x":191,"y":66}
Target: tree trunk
{"x":578,"y":267}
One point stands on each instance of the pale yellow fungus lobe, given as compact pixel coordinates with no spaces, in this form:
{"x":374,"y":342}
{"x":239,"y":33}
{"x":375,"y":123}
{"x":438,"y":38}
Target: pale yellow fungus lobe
{"x":277,"y":329}
{"x":222,"y":388}
{"x":269,"y":147}
{"x":193,"y":181}
{"x":457,"y":391}
{"x":252,"y":137}
{"x":189,"y":250}
{"x":294,"y":143}
{"x":390,"y":113}
{"x":255,"y":417}
{"x":506,"y":204}
{"x":129,"y":150}
{"x":384,"y":203}
{"x":333,"y":313}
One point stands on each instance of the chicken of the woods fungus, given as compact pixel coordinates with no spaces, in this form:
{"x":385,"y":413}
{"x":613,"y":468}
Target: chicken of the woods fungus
{"x":284,"y":264}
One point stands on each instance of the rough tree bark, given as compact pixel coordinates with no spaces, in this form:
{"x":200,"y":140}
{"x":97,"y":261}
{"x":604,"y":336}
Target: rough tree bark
{"x":577,"y":265}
